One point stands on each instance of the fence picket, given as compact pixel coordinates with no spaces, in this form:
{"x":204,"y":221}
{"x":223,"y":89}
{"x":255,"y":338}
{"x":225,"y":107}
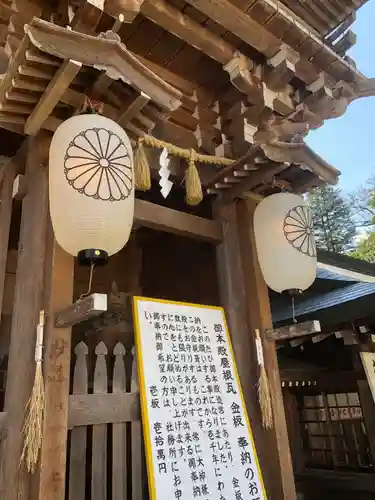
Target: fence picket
{"x":99,"y":432}
{"x":77,"y":475}
{"x":122,"y":445}
{"x":119,"y":463}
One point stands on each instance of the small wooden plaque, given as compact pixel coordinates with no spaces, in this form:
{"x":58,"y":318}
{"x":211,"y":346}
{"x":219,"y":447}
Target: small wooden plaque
{"x":82,"y":310}
{"x":291,"y":331}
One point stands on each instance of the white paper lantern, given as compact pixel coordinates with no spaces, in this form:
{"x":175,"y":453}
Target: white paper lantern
{"x":91,"y":186}
{"x":285,"y":242}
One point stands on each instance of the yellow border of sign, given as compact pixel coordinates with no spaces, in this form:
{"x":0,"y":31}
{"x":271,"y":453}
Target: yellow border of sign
{"x":143,"y":389}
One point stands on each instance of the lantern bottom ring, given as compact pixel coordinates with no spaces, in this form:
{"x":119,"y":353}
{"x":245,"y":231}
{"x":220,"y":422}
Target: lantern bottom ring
{"x":91,"y":256}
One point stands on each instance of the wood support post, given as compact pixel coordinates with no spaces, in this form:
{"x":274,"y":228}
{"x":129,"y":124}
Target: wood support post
{"x":6,"y":191}
{"x":27,"y":303}
{"x":233,"y":299}
{"x":58,"y":296}
{"x":280,"y":478}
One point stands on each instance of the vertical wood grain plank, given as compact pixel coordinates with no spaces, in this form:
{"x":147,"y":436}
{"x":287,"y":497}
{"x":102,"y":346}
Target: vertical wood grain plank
{"x":78,"y":443}
{"x":59,"y":295}
{"x":6,"y":189}
{"x":119,"y":463}
{"x":280,"y":475}
{"x":99,"y":432}
{"x":27,"y":304}
{"x":136,"y":442}
{"x":234,"y":300}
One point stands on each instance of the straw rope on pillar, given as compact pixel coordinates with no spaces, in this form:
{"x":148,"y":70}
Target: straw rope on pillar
{"x":33,"y":427}
{"x":263,"y":386}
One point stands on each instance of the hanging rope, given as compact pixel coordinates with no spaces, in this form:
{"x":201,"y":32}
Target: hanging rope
{"x":86,"y":294}
{"x":193,"y":185}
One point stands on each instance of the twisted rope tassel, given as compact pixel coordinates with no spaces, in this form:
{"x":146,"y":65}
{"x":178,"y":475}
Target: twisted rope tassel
{"x":193,"y":186}
{"x":142,"y":173}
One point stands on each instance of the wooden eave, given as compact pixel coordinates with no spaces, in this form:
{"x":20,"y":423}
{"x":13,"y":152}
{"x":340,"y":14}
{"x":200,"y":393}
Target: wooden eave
{"x":324,"y":15}
{"x":266,"y":167}
{"x":193,"y":116}
{"x":104,"y":54}
{"x":46,"y":82}
{"x":267,"y":26}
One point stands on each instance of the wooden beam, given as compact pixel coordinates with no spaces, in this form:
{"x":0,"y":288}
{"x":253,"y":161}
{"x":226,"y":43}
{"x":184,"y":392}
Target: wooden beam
{"x":52,"y":95}
{"x":19,"y":187}
{"x":160,"y":218}
{"x":263,"y":174}
{"x":291,"y":331}
{"x":182,"y":26}
{"x":251,"y":32}
{"x":133,"y":109}
{"x":127,"y":9}
{"x":59,"y":295}
{"x":353,"y":483}
{"x":2,"y":425}
{"x":96,"y":409}
{"x":281,"y":68}
{"x":345,"y":43}
{"x":279,"y":462}
{"x":233,"y":298}
{"x":6,"y":189}
{"x":337,"y":32}
{"x":27,"y":304}
{"x":236,"y":21}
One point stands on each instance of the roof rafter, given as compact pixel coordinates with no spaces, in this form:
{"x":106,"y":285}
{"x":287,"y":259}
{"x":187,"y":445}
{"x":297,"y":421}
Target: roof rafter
{"x":242,"y":25}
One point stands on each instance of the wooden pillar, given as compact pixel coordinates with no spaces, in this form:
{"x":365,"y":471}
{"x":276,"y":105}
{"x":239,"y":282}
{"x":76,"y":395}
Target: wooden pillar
{"x":57,"y":354}
{"x":27,"y":303}
{"x":6,"y":190}
{"x":233,"y":299}
{"x":279,"y":462}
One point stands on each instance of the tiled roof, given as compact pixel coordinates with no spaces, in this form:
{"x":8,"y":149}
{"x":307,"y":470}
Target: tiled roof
{"x":325,"y":274}
{"x":331,"y":267}
{"x":324,"y":301}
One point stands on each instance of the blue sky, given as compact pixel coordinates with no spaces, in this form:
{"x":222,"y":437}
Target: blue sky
{"x":347,"y":143}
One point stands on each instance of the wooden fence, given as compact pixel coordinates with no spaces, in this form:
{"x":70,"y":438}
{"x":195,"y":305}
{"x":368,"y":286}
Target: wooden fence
{"x":105,"y":457}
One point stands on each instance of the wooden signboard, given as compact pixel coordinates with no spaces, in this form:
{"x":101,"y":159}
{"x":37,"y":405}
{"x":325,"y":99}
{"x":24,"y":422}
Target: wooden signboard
{"x":198,"y":437}
{"x":368,"y":361}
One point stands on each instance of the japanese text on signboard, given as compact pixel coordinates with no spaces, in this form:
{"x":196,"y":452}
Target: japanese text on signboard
{"x":198,"y":440}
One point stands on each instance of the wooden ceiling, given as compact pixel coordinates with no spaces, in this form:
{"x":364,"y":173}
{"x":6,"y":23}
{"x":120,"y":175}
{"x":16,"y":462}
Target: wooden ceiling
{"x":246,"y":78}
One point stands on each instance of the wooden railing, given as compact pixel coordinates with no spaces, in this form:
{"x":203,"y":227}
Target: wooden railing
{"x":106,"y":433}
{"x":105,"y":457}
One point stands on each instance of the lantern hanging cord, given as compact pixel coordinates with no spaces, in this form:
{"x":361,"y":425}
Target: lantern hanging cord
{"x":294,"y":310}
{"x":90,"y":282}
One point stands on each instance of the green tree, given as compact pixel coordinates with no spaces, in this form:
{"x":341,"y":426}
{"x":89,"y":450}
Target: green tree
{"x":365,"y":249}
{"x":364,"y":203}
{"x":333,"y":219}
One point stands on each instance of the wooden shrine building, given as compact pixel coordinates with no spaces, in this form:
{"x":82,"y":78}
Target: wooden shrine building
{"x":240,"y":80}
{"x":322,"y":374}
